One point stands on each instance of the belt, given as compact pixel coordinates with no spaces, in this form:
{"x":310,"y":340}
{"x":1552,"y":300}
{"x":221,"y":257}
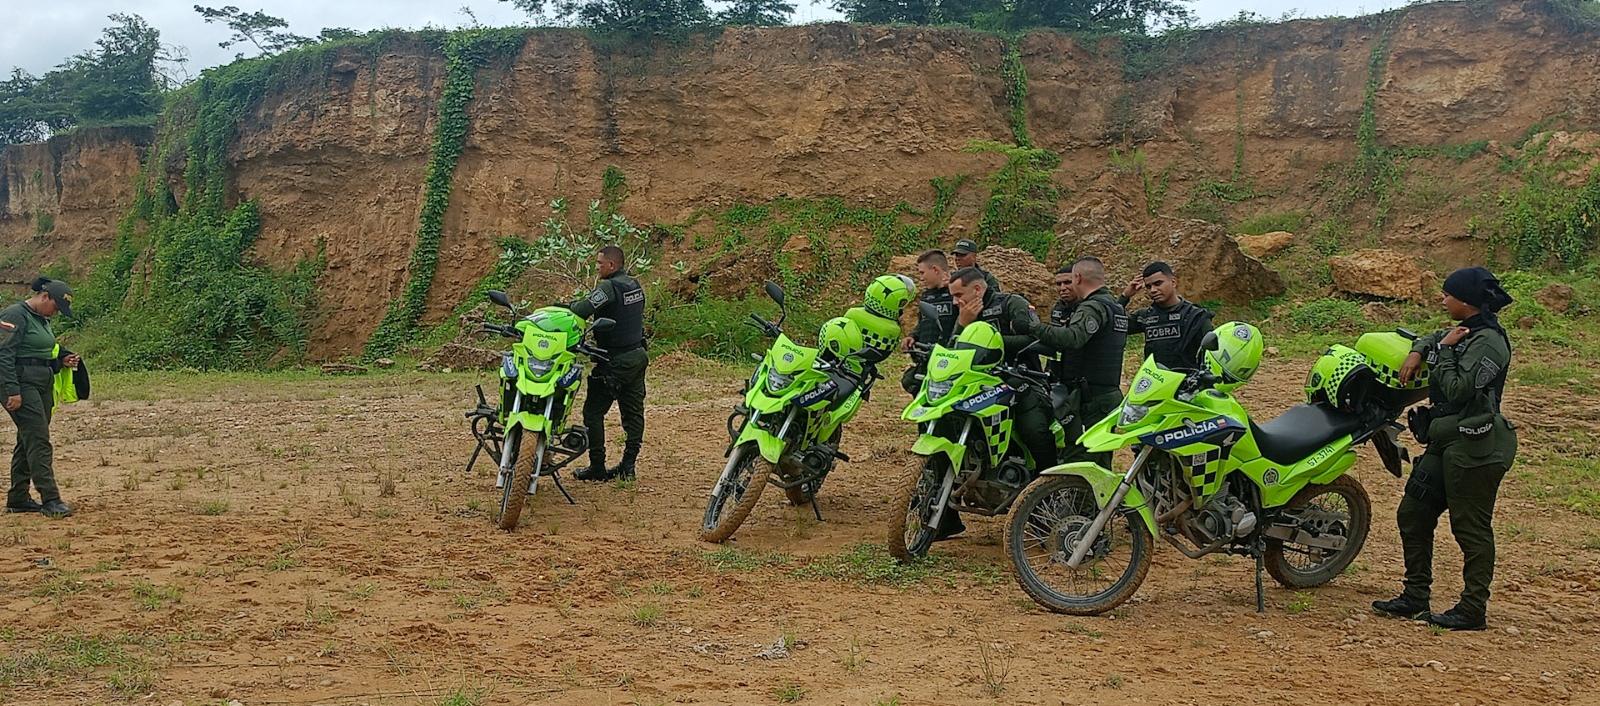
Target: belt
{"x":625,"y":349}
{"x":41,"y":362}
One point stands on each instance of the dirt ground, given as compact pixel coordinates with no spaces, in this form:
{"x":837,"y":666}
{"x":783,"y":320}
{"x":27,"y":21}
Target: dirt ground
{"x":299,"y":539}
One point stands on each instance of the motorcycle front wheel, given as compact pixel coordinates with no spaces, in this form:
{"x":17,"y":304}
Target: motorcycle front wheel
{"x":1338,"y":509}
{"x":515,"y":494}
{"x":732,"y":501}
{"x":1045,"y":524}
{"x":913,"y":505}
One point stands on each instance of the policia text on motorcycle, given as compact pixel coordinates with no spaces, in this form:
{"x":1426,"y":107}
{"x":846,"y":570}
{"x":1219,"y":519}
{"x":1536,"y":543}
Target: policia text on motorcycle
{"x":29,"y":360}
{"x":1092,"y":339}
{"x":620,"y":378}
{"x":933,"y":273}
{"x":1470,"y":446}
{"x":1172,"y":326}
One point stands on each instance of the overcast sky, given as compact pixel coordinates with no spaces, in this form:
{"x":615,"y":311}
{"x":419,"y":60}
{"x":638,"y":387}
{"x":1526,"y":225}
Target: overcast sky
{"x":38,"y":35}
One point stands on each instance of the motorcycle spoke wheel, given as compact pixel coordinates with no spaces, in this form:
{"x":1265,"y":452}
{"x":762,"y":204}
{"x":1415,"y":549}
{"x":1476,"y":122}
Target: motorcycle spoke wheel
{"x":913,"y":505}
{"x":1045,"y":525}
{"x":1338,"y":509}
{"x":730,"y":504}
{"x":515,"y":495}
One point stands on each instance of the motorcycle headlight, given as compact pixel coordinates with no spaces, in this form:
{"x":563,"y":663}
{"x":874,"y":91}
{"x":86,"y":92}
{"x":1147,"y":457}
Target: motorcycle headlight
{"x":937,"y":390}
{"x":1133,"y":414}
{"x":776,"y":381}
{"x":539,"y":368}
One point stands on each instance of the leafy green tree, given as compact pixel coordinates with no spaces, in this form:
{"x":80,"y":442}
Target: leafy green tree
{"x":333,"y":34}
{"x":31,"y":108}
{"x":639,"y":17}
{"x":118,"y":79}
{"x":268,"y":34}
{"x":757,"y":13}
{"x":1130,"y":16}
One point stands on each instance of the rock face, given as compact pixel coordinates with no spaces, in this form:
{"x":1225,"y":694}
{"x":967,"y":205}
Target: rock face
{"x":867,"y":114}
{"x":1382,"y":273}
{"x":1556,"y":297}
{"x":1266,"y":244}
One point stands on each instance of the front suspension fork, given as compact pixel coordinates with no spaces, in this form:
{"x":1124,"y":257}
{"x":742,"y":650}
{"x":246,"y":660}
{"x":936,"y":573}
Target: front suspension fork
{"x":1111,"y":507}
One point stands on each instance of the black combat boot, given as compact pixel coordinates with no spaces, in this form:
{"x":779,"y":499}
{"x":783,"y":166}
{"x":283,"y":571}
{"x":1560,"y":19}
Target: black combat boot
{"x":1459,"y":618}
{"x":630,"y":458}
{"x":597,"y":466}
{"x":1402,"y":606}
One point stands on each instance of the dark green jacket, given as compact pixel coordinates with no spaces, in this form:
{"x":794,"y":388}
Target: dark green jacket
{"x":1098,"y":330}
{"x":1466,"y":384}
{"x":23,"y":334}
{"x":1011,"y":315}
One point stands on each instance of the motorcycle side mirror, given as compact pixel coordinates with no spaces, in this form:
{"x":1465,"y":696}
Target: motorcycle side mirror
{"x":602,"y":324}
{"x":927,"y":310}
{"x":1210,"y":342}
{"x":500,"y":298}
{"x":775,"y":292}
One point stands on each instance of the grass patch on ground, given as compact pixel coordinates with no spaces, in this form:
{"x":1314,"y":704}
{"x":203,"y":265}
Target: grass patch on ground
{"x":872,"y":564}
{"x":72,"y":657}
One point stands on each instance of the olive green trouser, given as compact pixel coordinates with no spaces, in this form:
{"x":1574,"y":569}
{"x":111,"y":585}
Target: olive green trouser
{"x":31,"y":459}
{"x":1469,"y":494}
{"x":1098,"y":403}
{"x":619,"y":381}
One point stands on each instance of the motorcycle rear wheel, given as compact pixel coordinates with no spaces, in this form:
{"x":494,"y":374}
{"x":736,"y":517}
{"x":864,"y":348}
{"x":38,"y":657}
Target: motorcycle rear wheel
{"x":1287,"y":563}
{"x":515,"y":494}
{"x":742,"y":489}
{"x":1039,"y":538}
{"x":912,"y":504}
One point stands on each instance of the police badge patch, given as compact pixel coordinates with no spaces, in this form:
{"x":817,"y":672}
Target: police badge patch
{"x":1241,"y":333}
{"x":1488,"y":371}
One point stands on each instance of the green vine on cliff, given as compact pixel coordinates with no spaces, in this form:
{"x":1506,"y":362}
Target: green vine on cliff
{"x":1016,"y":78}
{"x":465,"y":52}
{"x":1023,"y":198}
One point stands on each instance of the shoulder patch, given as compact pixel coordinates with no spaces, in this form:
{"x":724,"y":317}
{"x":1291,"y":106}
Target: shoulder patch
{"x":598,"y":297}
{"x":1488,"y":372}
{"x":7,"y":325}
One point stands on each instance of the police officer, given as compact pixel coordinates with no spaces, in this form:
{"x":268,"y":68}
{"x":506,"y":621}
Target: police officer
{"x":965,"y":254}
{"x":1013,"y":317}
{"x":933,"y":269}
{"x":620,"y":379}
{"x":1470,"y":446}
{"x":28,"y":363}
{"x":1065,"y":376}
{"x":1172,"y":327}
{"x":1097,"y":330}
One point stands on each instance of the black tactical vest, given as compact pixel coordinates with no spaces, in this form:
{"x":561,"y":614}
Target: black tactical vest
{"x":627,"y":309}
{"x":1100,"y":360}
{"x":1170,"y":334}
{"x":1063,"y":364}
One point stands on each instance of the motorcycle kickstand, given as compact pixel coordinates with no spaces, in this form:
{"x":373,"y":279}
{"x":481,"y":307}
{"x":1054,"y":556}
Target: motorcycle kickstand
{"x":816,"y":510}
{"x":471,"y":461}
{"x":1257,"y":550}
{"x":556,"y":476}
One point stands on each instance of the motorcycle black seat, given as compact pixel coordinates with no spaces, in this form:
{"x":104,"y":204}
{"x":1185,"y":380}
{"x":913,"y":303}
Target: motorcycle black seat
{"x":1297,"y":433}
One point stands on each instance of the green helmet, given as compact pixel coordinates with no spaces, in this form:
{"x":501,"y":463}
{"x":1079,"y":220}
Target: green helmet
{"x":983,"y":339}
{"x":888,"y":294}
{"x":1233,"y":352}
{"x":840,"y":338}
{"x":559,"y":319}
{"x":1335,"y":377}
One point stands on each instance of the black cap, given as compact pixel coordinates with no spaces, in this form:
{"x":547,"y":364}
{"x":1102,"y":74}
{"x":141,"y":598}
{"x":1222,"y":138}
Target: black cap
{"x":59,"y":293}
{"x":1477,"y":287}
{"x":965,"y":247}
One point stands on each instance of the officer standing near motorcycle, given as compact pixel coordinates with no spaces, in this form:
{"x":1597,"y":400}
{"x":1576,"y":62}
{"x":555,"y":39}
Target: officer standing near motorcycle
{"x":933,"y":269}
{"x":1063,"y":364}
{"x":620,"y":379}
{"x":1013,"y":317}
{"x":1470,"y":446}
{"x":1096,"y":332}
{"x":1172,"y":326}
{"x":965,"y":254}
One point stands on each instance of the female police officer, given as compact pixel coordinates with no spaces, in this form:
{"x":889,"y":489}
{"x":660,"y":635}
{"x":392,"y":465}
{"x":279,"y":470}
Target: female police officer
{"x":1470,"y":446}
{"x":27,"y":371}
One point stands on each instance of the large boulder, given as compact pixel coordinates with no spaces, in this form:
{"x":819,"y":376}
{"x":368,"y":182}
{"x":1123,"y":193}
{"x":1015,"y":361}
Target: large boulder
{"x":1018,"y":271}
{"x":1265,"y":244}
{"x":1385,"y":274}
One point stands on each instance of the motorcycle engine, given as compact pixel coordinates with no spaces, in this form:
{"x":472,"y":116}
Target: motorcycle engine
{"x":1012,"y":472}
{"x":1224,"y":516}
{"x":817,"y":460}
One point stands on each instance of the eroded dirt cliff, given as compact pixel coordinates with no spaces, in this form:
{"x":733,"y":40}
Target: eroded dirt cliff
{"x":869,"y":114}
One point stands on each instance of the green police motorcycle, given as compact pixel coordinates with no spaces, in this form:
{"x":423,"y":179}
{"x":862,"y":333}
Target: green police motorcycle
{"x":786,"y":432}
{"x":965,"y":458}
{"x":1206,"y":478}
{"x":539,"y":377}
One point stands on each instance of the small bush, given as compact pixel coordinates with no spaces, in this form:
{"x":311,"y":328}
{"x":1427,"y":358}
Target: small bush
{"x":1291,"y":221}
{"x":1327,"y":315}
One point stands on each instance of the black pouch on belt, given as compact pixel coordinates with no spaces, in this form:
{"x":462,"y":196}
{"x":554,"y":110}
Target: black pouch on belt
{"x":1417,"y":420}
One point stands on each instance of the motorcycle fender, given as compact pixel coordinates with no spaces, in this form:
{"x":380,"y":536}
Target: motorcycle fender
{"x":1104,"y":483}
{"x":771,"y":446}
{"x":1335,"y":468}
{"x":529,"y":421}
{"x":536,"y":388}
{"x":928,"y":445}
